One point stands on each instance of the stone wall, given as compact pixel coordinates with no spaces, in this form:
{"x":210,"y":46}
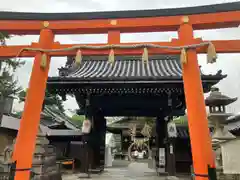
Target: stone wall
{"x":222,"y":176}
{"x":44,"y":165}
{"x":6,"y":138}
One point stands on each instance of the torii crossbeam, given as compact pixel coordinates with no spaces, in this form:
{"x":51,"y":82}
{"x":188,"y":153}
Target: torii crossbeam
{"x":182,"y":20}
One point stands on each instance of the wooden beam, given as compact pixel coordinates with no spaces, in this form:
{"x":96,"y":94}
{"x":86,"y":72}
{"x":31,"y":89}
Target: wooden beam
{"x":222,"y":46}
{"x":114,"y":37}
{"x":125,"y":25}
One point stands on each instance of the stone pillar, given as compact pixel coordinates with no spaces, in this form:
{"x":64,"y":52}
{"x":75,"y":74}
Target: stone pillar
{"x":44,"y":163}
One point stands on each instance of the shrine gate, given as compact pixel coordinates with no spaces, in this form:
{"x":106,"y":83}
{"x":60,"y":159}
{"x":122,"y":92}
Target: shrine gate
{"x":182,"y":20}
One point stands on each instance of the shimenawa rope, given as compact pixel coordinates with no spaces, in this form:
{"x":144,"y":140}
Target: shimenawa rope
{"x":211,"y":52}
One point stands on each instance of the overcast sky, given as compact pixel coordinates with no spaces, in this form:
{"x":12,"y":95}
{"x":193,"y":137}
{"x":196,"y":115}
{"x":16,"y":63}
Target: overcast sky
{"x":230,"y":64}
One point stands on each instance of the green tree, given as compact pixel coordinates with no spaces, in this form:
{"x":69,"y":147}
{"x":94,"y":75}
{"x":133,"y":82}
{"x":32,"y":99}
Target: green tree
{"x":78,"y":120}
{"x":8,"y":85}
{"x":181,"y":120}
{"x":50,"y":99}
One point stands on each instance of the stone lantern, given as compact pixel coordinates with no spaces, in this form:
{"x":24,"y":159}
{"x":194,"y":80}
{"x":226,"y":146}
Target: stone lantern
{"x":217,"y":103}
{"x":217,"y":117}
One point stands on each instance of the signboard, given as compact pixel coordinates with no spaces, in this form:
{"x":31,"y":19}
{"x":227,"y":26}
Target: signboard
{"x":172,"y":130}
{"x":86,"y":127}
{"x":162,"y":161}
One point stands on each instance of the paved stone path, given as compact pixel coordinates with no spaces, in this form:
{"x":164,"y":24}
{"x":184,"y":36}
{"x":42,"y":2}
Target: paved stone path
{"x":135,"y":171}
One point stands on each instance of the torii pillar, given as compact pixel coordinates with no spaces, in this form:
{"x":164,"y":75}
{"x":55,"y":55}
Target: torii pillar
{"x":26,"y":138}
{"x":197,"y":117}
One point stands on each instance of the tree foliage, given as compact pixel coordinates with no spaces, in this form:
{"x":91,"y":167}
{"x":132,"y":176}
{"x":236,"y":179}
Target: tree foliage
{"x":181,"y":120}
{"x":8,"y":85}
{"x":50,"y":99}
{"x":78,"y":120}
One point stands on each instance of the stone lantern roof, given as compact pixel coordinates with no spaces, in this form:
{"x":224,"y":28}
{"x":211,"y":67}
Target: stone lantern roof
{"x":216,"y":98}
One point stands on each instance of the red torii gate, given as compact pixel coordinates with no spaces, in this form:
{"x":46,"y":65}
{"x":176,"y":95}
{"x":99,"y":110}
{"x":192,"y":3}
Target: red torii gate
{"x":183,"y":20}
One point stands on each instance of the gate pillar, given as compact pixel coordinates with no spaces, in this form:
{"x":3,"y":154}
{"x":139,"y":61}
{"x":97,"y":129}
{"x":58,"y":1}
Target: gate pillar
{"x":197,"y":116}
{"x":99,"y":134}
{"x":26,"y":138}
{"x":160,"y":145}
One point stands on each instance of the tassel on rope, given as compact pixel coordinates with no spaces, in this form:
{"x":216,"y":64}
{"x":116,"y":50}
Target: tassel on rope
{"x":43,"y":62}
{"x":211,"y":53}
{"x":111,"y":57}
{"x":78,"y":58}
{"x":145,"y":55}
{"x":183,"y":56}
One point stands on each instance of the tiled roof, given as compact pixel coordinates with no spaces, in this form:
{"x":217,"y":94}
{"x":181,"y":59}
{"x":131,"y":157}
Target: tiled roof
{"x":129,"y":68}
{"x":53,"y":117}
{"x":234,"y":126}
{"x":12,"y":123}
{"x":59,"y":117}
{"x":233,"y":123}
